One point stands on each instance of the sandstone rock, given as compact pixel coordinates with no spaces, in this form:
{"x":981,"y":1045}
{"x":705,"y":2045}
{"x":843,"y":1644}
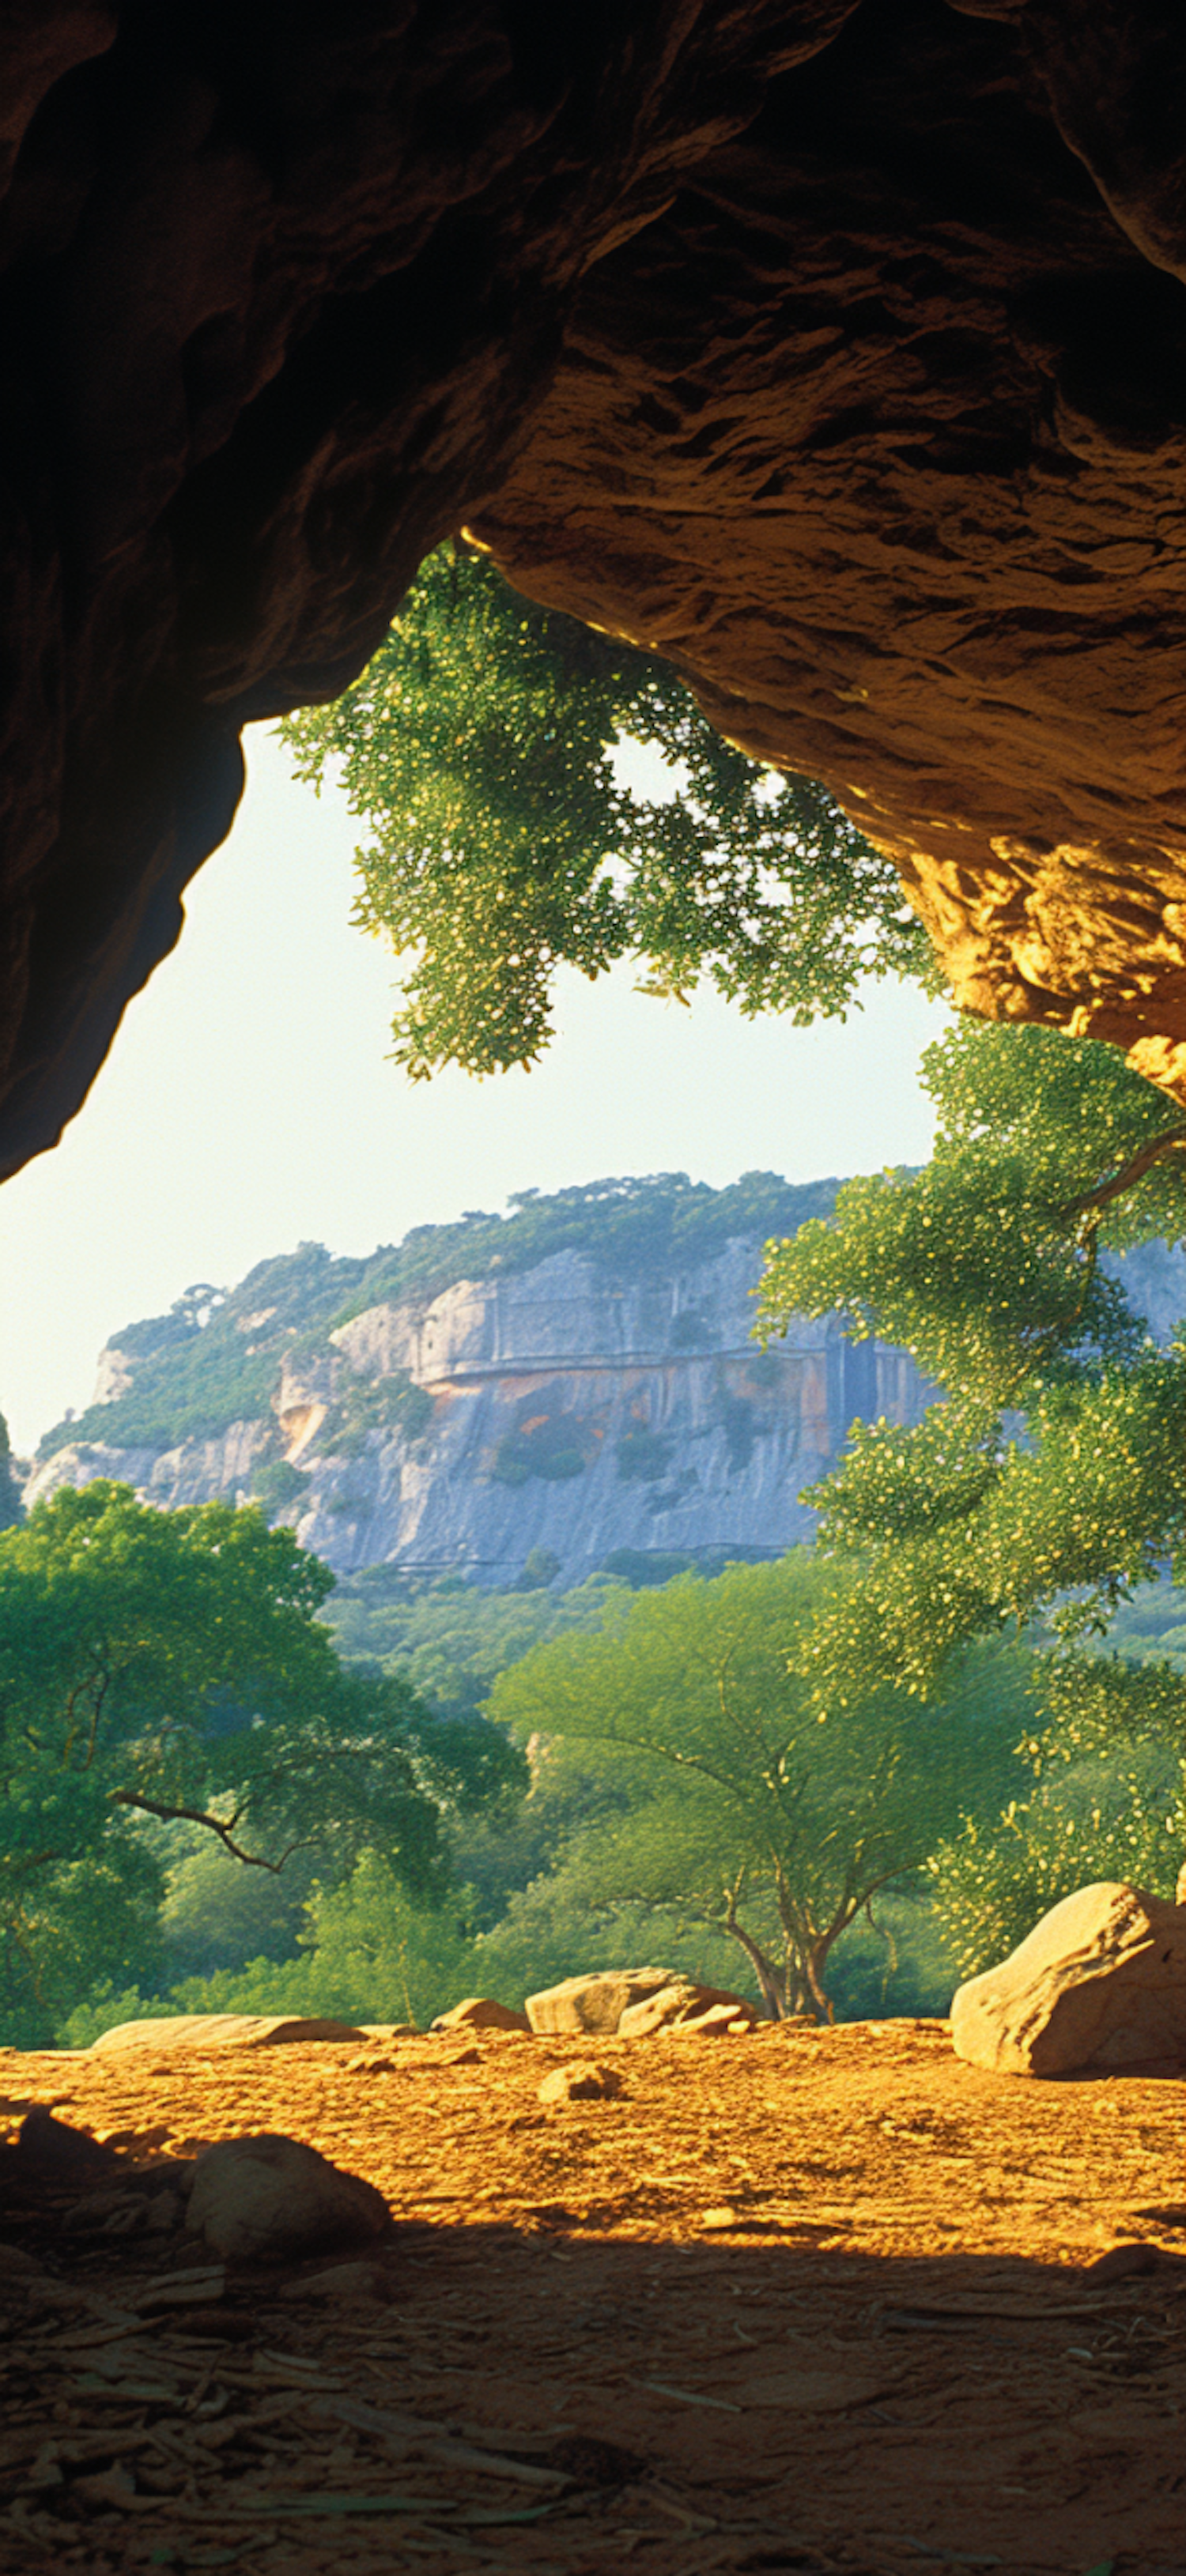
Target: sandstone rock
{"x":345,"y":2281}
{"x":687,"y":2005}
{"x":719,"y":2021}
{"x":621,"y":356}
{"x":107,"y":2488}
{"x":17,"y":2266}
{"x":581,"y":2082}
{"x":219,"y":2030}
{"x":1121,"y":2263}
{"x":480,"y":2012}
{"x":1098,"y":1985}
{"x":49,"y":2151}
{"x":118,"y":2212}
{"x":257,"y":2198}
{"x":595,"y":2002}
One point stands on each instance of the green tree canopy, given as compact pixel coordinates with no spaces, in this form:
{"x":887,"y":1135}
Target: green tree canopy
{"x":157,"y":1666}
{"x":1058,"y":1460}
{"x":1051,"y":1481}
{"x":743,"y":1797}
{"x":478,"y":747}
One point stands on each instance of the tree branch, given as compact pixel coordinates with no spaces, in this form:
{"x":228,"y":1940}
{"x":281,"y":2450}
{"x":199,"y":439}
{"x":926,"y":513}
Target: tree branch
{"x":214,"y":1825}
{"x":1170,"y":1140}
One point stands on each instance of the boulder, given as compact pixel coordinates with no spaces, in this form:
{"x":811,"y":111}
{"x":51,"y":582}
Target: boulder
{"x":257,"y":2198}
{"x":595,"y":2002}
{"x":718,"y":2021}
{"x":582,"y":2082}
{"x":220,"y":2030}
{"x":480,"y":2012}
{"x":1098,"y":1985}
{"x":49,"y":2153}
{"x":685,"y":2005}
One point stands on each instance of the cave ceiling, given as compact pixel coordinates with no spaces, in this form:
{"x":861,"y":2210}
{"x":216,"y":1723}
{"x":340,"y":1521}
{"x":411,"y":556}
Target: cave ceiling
{"x":836,"y":349}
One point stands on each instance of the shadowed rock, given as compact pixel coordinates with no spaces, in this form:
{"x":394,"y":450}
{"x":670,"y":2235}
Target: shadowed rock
{"x":256,"y":2199}
{"x":837,"y":352}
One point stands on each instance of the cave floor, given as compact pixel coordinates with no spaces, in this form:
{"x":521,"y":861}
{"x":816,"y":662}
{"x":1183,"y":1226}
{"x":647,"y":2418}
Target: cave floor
{"x":804,"y":2300}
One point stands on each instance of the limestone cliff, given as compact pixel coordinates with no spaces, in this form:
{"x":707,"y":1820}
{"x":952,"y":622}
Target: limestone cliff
{"x":605,"y":1397}
{"x":581,"y":1403}
{"x":835,"y":350}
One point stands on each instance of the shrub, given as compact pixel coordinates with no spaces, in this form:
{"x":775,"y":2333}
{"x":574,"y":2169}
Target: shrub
{"x":276,"y":1485}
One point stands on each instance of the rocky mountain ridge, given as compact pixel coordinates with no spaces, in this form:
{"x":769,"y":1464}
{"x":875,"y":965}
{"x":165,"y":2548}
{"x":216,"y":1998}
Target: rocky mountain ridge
{"x":603,"y":1396}
{"x":600,"y":1396}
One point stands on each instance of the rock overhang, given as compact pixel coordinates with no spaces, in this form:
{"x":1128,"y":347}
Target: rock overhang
{"x":836,"y":351}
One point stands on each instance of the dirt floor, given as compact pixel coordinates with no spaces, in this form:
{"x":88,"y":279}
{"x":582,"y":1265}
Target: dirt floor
{"x":803,"y":2300}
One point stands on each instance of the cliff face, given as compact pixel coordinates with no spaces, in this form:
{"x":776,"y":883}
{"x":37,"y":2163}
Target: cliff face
{"x":836,"y":350}
{"x":566,"y":1407}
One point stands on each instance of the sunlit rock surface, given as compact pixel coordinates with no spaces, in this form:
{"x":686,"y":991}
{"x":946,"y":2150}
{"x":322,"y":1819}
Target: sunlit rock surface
{"x":572,"y":1409}
{"x":837,"y":350}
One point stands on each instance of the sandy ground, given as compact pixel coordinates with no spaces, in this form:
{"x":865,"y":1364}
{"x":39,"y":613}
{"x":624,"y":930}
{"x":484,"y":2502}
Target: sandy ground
{"x":805,"y":2300}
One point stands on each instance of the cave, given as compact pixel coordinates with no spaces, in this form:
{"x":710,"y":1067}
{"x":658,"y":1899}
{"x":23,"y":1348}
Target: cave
{"x":834,"y":349}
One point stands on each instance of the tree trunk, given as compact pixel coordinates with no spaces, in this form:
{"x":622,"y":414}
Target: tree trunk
{"x":765,"y":1972}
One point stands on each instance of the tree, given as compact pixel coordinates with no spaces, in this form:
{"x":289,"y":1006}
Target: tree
{"x":1052,"y":1480}
{"x":160,"y":1666}
{"x":1108,"y":1801}
{"x":743,"y":1799}
{"x":479,"y":747}
{"x":10,"y":1493}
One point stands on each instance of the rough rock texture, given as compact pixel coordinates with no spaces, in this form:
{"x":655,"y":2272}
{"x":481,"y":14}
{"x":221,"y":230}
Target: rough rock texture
{"x":348,"y":2281}
{"x":684,"y":2005}
{"x":836,"y":349}
{"x":218,"y":2030}
{"x":595,"y":2002}
{"x":480,"y":2012}
{"x":578,"y":1354}
{"x":259,"y":2198}
{"x":1098,"y":1986}
{"x":582,"y":2081}
{"x":49,"y":2153}
{"x":676,"y":1432}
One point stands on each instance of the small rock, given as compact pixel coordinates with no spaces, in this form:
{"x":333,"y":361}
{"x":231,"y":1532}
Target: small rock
{"x":108,"y":2487}
{"x":591,"y":2462}
{"x":18,"y":2267}
{"x":342,"y":2281}
{"x":684,"y":2005}
{"x":582,"y":2082}
{"x":219,"y":2030}
{"x":164,"y":2213}
{"x":480,"y":2012}
{"x":1120,"y":2263}
{"x":108,"y":2213}
{"x":595,"y":2003}
{"x":258,"y":2198}
{"x":49,"y":2152}
{"x":1098,"y":1985}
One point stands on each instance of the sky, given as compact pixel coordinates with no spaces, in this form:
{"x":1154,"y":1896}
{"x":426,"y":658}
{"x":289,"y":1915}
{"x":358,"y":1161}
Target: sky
{"x":248,"y":1103}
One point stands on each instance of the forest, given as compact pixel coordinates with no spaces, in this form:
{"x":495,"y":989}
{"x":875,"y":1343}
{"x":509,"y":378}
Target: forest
{"x":839,"y":1781}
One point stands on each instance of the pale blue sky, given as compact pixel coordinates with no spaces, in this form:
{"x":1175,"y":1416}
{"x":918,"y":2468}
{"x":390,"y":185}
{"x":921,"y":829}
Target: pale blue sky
{"x":247,"y":1104}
